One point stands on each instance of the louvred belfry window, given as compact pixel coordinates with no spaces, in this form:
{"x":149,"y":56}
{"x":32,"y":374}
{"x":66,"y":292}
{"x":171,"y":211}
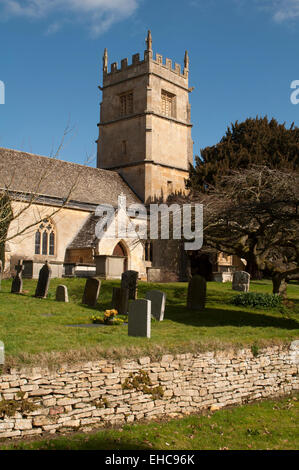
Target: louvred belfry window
{"x":126,"y":104}
{"x":45,"y":239}
{"x":168,"y":104}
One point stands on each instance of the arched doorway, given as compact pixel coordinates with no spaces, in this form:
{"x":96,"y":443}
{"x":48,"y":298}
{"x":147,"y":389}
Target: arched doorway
{"x":120,"y":250}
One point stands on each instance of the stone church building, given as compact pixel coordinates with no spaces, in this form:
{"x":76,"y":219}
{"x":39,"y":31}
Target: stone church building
{"x":144,"y":149}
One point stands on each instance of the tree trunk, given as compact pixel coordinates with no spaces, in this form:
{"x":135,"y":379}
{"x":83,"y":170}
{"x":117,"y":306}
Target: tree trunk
{"x":253,"y":269}
{"x":279,"y":285}
{"x":2,"y":254}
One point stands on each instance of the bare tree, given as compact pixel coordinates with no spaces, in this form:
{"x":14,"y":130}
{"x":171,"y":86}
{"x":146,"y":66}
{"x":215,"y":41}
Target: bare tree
{"x":15,"y":204}
{"x":253,"y":213}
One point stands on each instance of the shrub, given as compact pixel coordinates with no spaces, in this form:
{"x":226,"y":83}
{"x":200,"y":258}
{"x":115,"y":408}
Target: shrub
{"x":252,"y":299}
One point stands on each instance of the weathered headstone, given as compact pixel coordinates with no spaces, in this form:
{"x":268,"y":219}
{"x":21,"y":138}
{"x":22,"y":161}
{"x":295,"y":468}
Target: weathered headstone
{"x":43,"y":281}
{"x":197,"y":290}
{"x":241,"y":281}
{"x":139,"y":322}
{"x":2,"y":353}
{"x":158,"y":300}
{"x":1,"y":271}
{"x":129,"y":280}
{"x":17,"y":283}
{"x":91,"y":291}
{"x":120,"y":300}
{"x":62,"y":294}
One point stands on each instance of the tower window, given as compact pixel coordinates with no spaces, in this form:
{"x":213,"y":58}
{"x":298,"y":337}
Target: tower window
{"x":45,"y":239}
{"x":124,"y":147}
{"x":168,"y":104}
{"x":148,"y":251}
{"x":126,"y":104}
{"x":169,"y":187}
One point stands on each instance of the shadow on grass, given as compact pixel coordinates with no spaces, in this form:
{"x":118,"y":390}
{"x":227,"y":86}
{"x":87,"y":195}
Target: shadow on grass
{"x":87,"y":442}
{"x":221,"y":317}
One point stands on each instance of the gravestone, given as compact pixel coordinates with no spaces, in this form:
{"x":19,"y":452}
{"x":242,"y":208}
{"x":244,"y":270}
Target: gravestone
{"x":158,"y":300}
{"x":17,"y":283}
{"x":28,"y":269}
{"x":43,"y":281}
{"x":197,"y":289}
{"x":62,"y":294}
{"x":2,"y":354}
{"x":129,"y":280}
{"x":1,"y":270}
{"x":120,"y":300}
{"x":241,"y":281}
{"x":139,"y":321}
{"x":91,"y":291}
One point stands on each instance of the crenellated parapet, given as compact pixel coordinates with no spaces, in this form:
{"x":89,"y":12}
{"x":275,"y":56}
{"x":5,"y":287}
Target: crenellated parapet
{"x":142,"y":63}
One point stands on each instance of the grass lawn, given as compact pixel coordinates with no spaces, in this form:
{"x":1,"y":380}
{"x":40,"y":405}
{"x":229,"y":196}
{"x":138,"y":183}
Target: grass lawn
{"x":267,"y":425}
{"x":30,"y":326}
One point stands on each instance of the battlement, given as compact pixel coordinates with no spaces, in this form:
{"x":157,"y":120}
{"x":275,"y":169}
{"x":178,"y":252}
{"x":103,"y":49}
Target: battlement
{"x":148,"y":58}
{"x":124,"y":65}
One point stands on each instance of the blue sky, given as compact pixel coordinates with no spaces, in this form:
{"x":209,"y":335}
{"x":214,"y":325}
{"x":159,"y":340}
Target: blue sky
{"x":243,"y":58}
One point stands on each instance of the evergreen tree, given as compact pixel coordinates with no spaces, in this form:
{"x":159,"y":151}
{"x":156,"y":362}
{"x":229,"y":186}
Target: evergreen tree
{"x":255,"y":141}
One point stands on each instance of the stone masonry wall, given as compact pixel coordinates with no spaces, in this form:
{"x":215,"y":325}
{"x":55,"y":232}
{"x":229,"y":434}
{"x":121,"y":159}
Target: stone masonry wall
{"x":107,"y":392}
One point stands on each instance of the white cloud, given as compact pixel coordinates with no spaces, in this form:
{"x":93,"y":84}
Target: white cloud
{"x":280,"y":10}
{"x":286,"y":10}
{"x":99,"y":15}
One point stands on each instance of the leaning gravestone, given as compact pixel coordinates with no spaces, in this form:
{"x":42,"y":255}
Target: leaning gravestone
{"x":62,"y":294}
{"x":1,"y":270}
{"x":43,"y":281}
{"x":17,"y":283}
{"x":91,"y":291}
{"x":2,"y":354}
{"x":197,"y":290}
{"x":139,"y":321}
{"x":120,"y":300}
{"x":129,"y":280}
{"x":158,"y":300}
{"x":241,"y":281}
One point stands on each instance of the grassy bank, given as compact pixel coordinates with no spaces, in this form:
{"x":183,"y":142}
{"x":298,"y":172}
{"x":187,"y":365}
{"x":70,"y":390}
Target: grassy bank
{"x":30,"y":326}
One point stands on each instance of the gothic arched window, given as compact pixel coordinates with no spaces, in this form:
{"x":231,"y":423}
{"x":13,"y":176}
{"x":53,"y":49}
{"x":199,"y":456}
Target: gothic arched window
{"x":45,"y":239}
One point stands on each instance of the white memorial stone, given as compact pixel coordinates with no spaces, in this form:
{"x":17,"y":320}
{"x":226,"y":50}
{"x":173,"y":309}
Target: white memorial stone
{"x":139,"y":320}
{"x":2,"y":356}
{"x":158,"y":299}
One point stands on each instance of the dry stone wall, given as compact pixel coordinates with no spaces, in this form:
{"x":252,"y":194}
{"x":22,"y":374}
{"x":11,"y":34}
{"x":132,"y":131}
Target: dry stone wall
{"x":107,"y":392}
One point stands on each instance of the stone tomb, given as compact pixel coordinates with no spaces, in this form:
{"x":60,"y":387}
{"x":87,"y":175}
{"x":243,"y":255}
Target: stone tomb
{"x":43,"y":281}
{"x":158,"y":300}
{"x":241,"y":281}
{"x":197,"y":289}
{"x":91,"y":292}
{"x":129,"y":280}
{"x":120,"y":300}
{"x":62,"y":294}
{"x":17,"y":283}
{"x":140,"y":318}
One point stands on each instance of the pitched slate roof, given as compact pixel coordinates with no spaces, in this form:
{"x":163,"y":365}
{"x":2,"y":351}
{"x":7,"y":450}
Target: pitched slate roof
{"x":86,"y":236}
{"x":26,"y":173}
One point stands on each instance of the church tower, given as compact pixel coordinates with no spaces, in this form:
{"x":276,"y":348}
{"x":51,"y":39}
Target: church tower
{"x":145,"y":127}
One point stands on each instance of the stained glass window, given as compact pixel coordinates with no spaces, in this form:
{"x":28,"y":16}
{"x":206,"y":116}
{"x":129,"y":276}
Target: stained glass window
{"x":45,"y":239}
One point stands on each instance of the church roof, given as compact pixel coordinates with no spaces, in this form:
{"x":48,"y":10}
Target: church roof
{"x":86,"y":236}
{"x":50,"y":178}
